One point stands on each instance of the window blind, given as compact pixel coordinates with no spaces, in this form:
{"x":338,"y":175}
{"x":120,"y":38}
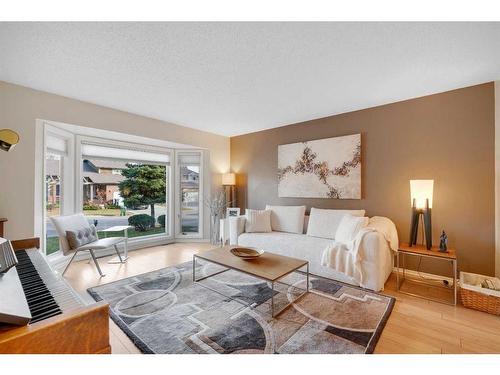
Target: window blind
{"x":102,"y":152}
{"x":189,"y":159}
{"x":56,"y":145}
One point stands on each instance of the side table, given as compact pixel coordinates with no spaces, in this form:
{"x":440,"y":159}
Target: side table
{"x":124,"y":229}
{"x":434,"y":253}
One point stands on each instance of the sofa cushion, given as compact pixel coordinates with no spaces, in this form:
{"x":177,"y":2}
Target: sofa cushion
{"x":257,"y":221}
{"x":349,"y":227}
{"x":293,"y":245}
{"x":287,"y":218}
{"x":325,"y":222}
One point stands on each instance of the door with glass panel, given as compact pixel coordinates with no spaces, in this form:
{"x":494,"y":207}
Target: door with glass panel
{"x":189,"y":194}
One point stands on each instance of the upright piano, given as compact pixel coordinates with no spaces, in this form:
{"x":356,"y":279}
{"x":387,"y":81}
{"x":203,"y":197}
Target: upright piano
{"x":40,"y":312}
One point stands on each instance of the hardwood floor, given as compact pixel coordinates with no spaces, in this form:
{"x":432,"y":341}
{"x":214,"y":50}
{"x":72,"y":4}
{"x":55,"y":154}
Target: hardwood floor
{"x":415,"y":325}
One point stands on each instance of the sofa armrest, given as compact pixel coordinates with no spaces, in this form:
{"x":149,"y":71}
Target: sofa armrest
{"x":236,"y":227}
{"x":376,"y":259}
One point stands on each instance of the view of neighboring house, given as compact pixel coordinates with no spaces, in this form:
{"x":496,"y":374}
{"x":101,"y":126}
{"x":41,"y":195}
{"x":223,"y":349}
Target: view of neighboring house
{"x":101,"y":179}
{"x":53,"y":180}
{"x":189,"y":178}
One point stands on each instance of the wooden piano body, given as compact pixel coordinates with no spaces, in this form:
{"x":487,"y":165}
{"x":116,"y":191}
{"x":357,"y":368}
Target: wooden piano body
{"x":83,"y":330}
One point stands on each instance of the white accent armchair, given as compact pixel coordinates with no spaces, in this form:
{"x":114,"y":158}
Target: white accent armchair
{"x":76,"y":235}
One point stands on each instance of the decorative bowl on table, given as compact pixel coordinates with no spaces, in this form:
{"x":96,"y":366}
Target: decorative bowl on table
{"x":246,"y":252}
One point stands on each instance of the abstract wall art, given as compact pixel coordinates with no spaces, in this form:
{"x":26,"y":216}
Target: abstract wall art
{"x":323,"y":168}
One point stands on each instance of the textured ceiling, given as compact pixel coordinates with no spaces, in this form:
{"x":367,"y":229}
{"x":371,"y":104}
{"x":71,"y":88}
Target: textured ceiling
{"x":235,"y":78}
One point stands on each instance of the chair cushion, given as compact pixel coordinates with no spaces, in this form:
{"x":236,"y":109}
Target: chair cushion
{"x":79,"y":237}
{"x":287,"y":218}
{"x":103,"y":243}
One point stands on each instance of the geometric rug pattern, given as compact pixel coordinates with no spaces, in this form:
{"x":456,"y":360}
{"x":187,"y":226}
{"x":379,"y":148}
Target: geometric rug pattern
{"x":164,"y":312}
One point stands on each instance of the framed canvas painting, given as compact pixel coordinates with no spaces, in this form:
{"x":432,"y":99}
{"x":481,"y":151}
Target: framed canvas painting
{"x":323,"y":168}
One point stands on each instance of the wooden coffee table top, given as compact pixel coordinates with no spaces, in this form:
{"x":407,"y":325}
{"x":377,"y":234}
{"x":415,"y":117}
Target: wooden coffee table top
{"x":268,"y":266}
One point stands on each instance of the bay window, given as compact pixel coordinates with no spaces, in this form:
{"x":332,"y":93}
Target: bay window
{"x":156,"y":190}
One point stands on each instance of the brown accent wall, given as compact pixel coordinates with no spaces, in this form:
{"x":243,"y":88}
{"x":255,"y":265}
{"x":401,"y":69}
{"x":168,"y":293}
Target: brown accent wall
{"x":448,"y":137}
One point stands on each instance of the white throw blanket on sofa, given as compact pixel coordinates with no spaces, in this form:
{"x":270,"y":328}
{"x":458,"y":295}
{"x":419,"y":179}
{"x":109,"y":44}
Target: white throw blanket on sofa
{"x":346,"y":258}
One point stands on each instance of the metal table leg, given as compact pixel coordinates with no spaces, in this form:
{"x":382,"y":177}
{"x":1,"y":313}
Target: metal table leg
{"x":194,"y":268}
{"x":404,"y":266}
{"x":307,"y":278}
{"x":305,"y":291}
{"x":272,"y":299}
{"x":125,"y":252}
{"x":397,"y":271}
{"x":455,"y":271}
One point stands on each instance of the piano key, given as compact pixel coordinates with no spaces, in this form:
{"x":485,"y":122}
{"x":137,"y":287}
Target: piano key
{"x":46,"y":293}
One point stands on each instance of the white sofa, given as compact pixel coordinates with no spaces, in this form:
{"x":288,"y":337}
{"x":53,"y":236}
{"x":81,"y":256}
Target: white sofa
{"x":375,"y":253}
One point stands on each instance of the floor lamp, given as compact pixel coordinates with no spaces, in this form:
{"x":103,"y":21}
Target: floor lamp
{"x":421,"y":206}
{"x":229,"y":183}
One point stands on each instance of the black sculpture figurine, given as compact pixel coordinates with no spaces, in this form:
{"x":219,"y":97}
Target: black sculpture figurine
{"x":443,"y":242}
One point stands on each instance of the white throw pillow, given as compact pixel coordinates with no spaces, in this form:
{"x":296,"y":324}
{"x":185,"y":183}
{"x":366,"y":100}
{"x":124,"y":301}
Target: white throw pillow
{"x":349,"y":227}
{"x":258,"y":221}
{"x":287,"y":218}
{"x":324,"y":222}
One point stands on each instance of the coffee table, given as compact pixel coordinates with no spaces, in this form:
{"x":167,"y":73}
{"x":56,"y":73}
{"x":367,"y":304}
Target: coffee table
{"x":269,"y":267}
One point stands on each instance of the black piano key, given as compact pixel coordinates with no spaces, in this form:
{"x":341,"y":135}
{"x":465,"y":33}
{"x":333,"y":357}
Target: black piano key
{"x":45,"y":315}
{"x":45,"y":308}
{"x":41,"y":303}
{"x":41,"y":297}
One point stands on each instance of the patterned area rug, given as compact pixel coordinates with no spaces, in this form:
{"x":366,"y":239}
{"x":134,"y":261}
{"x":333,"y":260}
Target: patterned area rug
{"x":165,"y":312}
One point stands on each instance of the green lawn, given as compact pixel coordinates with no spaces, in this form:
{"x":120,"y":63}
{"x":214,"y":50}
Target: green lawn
{"x":52,"y":243}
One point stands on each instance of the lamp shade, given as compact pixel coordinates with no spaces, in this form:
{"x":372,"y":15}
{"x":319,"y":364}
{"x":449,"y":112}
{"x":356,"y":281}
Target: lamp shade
{"x":8,"y":139}
{"x":229,"y":179}
{"x":420,"y":190}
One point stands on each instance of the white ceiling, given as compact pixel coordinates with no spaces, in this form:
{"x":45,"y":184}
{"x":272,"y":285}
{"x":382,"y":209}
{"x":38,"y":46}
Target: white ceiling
{"x":236,"y":78}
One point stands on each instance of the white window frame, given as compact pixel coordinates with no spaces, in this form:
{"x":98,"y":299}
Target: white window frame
{"x":72,"y":199}
{"x":169,"y":193}
{"x":201,"y":216}
{"x":67,"y":179}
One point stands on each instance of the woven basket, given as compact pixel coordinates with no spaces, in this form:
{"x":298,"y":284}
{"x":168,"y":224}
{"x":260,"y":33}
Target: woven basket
{"x":478,"y":298}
